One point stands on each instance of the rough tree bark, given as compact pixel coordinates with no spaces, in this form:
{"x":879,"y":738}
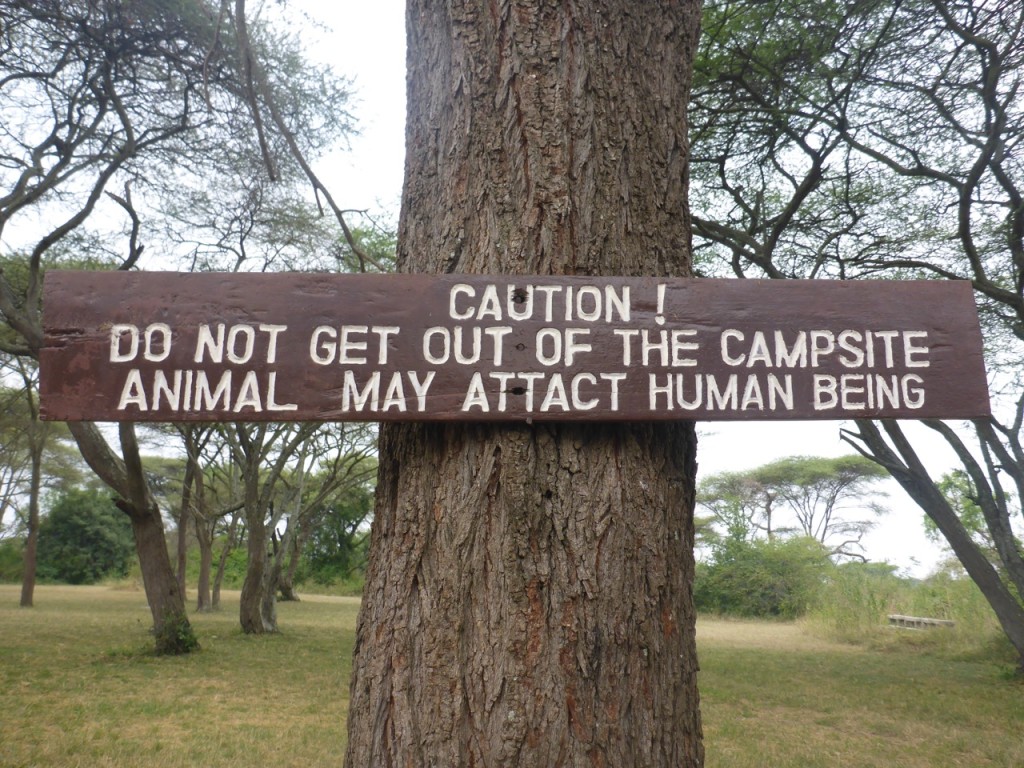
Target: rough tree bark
{"x":528,"y":596}
{"x":257,"y":612}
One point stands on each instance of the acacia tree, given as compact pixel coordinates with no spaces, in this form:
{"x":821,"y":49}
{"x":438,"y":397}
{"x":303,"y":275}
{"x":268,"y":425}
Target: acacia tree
{"x":818,"y":493}
{"x":882,"y":139}
{"x":335,"y":460}
{"x":105,"y":104}
{"x":822,"y":492}
{"x":209,"y":496}
{"x":528,"y":593}
{"x":35,"y":457}
{"x":741,"y":503}
{"x":264,"y":456}
{"x":261,"y":453}
{"x":21,"y":475}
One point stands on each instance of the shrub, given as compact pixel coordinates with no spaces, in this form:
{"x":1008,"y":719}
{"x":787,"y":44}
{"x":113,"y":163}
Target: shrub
{"x":756,"y":578}
{"x":12,"y":560}
{"x":83,"y":539}
{"x":858,"y":598}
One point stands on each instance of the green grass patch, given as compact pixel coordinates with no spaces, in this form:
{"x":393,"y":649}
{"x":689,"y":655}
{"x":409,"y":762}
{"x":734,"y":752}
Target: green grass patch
{"x":775,"y":695}
{"x":79,"y":686}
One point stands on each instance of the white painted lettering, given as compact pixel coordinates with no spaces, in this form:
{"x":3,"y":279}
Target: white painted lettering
{"x":911,"y":351}
{"x":556,"y":395}
{"x":578,"y":403}
{"x":272,"y":404}
{"x":158,"y":342}
{"x":133,"y":392}
{"x":476,"y":395}
{"x":249,"y":394}
{"x":727,"y":357}
{"x":347,"y":345}
{"x":322,"y":352}
{"x":453,"y":311}
{"x":823,"y":344}
{"x":117,"y":332}
{"x":208,"y":344}
{"x":613,"y":380}
{"x":248,"y":336}
{"x":272,"y":331}
{"x":354,"y":398}
{"x":420,"y":388}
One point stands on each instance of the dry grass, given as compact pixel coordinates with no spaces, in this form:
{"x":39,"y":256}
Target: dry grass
{"x":78,"y":687}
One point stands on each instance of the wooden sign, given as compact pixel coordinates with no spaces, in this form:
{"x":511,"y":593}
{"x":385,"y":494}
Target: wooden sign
{"x":155,"y":346}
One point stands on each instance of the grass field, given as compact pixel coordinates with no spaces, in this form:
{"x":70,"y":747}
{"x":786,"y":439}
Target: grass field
{"x":78,"y":687}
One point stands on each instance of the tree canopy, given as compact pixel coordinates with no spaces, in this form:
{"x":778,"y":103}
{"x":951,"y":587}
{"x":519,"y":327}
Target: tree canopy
{"x":158,"y":133}
{"x":881,"y":139}
{"x":830,"y":500}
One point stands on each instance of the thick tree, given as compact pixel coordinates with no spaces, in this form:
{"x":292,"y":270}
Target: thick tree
{"x":528,"y":595}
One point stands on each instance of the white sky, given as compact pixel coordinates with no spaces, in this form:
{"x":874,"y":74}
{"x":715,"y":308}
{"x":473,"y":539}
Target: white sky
{"x":368,"y":44}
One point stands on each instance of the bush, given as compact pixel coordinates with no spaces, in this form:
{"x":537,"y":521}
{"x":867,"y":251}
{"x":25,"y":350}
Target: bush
{"x":859,"y":597}
{"x":83,"y":539}
{"x":12,"y":560}
{"x":769,"y":579}
{"x":337,"y":549}
{"x":235,"y":568}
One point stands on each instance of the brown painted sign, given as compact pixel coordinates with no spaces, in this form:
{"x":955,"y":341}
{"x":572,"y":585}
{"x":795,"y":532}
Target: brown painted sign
{"x":155,"y":346}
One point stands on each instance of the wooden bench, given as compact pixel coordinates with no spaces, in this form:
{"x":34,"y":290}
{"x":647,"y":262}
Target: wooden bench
{"x":917,"y":622}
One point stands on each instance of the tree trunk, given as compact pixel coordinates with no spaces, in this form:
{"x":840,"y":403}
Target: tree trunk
{"x":36,"y":444}
{"x":528,"y":596}
{"x":287,"y":585}
{"x":183,"y":517}
{"x":285,"y":558}
{"x":28,"y":575}
{"x":257,"y":614}
{"x":125,"y":476}
{"x":222,"y":561}
{"x":166,"y":603}
{"x":204,"y":535}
